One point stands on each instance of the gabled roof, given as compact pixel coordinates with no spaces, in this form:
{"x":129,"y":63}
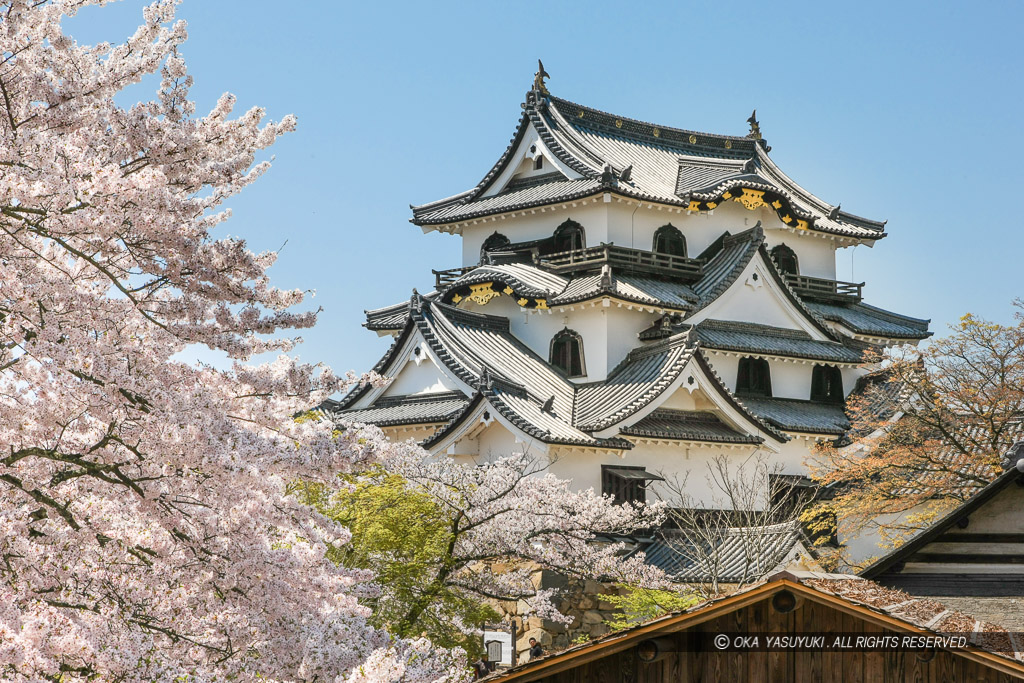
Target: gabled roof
{"x":641,"y":290}
{"x":391,"y":318}
{"x":482,"y":353}
{"x":1010,"y":475}
{"x":642,"y":376}
{"x":632,"y":158}
{"x":864,"y":600}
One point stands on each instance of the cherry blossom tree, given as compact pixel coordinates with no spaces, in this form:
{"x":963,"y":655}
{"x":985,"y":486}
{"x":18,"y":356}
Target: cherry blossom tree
{"x":145,"y":530}
{"x":480,"y":533}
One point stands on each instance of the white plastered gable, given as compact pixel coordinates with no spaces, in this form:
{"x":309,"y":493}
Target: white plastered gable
{"x":416,"y":372}
{"x":755,"y":297}
{"x":521,"y":163}
{"x":487,"y":434}
{"x":695,"y":390}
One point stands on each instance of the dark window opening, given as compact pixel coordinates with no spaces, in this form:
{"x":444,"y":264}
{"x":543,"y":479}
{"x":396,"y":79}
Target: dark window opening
{"x":567,"y":353}
{"x":568,"y":237}
{"x":626,"y":484}
{"x":754,"y":377}
{"x":538,"y":163}
{"x":668,"y":240}
{"x":496,"y":242}
{"x":785,"y":259}
{"x":827,"y":384}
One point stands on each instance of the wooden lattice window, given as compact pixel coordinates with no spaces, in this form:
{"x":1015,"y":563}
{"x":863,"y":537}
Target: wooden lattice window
{"x":626,"y":484}
{"x":754,"y":377}
{"x":785,"y":259}
{"x":668,"y":240}
{"x":567,"y":353}
{"x":827,"y":384}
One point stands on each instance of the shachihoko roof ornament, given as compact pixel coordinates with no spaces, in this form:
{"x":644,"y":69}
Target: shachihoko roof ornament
{"x":538,"y":78}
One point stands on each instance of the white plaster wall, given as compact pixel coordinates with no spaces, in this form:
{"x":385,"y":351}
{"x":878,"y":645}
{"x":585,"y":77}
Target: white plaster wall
{"x":608,"y":332}
{"x":629,"y":226}
{"x":538,"y":223}
{"x":424,"y":378}
{"x":686,"y":463}
{"x":623,"y":326}
{"x":816,"y":256}
{"x":789,"y":380}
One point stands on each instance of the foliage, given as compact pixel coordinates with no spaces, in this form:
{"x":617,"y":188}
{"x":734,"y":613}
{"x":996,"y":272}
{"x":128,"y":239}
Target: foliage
{"x":403,"y":535}
{"x":481,"y":533}
{"x":637,"y":604}
{"x":145,"y":531}
{"x":929,"y":429}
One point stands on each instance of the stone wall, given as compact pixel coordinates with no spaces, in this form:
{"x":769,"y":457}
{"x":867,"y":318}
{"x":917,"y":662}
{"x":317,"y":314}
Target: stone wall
{"x":581,"y":600}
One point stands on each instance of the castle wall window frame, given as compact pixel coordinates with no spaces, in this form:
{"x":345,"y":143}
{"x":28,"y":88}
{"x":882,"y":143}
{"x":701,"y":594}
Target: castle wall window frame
{"x":669,"y":240}
{"x":827,"y":384}
{"x":569,"y":236}
{"x":754,"y":377}
{"x":785,"y":259}
{"x":494,"y":242}
{"x":567,"y":353}
{"x":626,"y":483}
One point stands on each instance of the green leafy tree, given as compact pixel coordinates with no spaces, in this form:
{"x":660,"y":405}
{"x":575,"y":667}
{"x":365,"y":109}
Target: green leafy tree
{"x":636,"y":605}
{"x":404,"y":537}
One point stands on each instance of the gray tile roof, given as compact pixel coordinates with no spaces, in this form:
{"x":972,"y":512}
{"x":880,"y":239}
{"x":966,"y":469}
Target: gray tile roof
{"x":643,"y":375}
{"x":415,"y":409}
{"x":869,"y":320}
{"x":687,"y":425}
{"x":660,"y":293}
{"x":725,"y":266}
{"x":391,"y":318}
{"x":667,"y":165}
{"x":794,"y":415}
{"x":524,"y":279}
{"x":753,"y":338}
{"x":730,"y":555}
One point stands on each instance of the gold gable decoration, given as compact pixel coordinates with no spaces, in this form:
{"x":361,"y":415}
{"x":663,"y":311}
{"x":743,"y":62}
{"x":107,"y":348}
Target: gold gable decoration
{"x":482,"y":293}
{"x":751,"y":199}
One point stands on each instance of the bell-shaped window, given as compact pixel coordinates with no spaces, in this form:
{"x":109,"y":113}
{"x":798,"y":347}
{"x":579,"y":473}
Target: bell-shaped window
{"x":496,"y":242}
{"x":567,"y":353}
{"x":754,"y":377}
{"x":568,"y":237}
{"x":785,"y":259}
{"x":827,"y":384}
{"x":668,"y":240}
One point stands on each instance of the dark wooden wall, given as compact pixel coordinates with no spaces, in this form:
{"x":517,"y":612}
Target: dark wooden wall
{"x":809,"y":617}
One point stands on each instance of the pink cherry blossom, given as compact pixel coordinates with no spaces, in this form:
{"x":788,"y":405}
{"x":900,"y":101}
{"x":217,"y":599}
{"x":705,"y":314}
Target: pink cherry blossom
{"x":145,"y":530}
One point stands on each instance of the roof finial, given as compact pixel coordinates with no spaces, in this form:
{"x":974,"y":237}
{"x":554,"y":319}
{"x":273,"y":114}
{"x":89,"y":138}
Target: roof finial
{"x":1014,"y":458}
{"x":538,"y":79}
{"x":755,"y":127}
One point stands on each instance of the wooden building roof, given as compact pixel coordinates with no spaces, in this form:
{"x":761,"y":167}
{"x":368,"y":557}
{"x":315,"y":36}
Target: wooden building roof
{"x":789,"y":603}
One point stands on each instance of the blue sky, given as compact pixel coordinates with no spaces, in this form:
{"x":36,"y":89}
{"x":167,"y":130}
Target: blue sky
{"x":909,"y":111}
